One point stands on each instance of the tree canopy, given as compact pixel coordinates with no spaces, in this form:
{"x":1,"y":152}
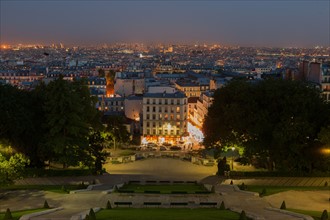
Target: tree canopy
{"x":276,"y":121}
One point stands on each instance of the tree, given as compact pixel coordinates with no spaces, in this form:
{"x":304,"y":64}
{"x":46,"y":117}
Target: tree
{"x":116,"y":130}
{"x":97,"y":142}
{"x":69,"y":111}
{"x":12,"y":167}
{"x":21,"y":121}
{"x":276,"y":121}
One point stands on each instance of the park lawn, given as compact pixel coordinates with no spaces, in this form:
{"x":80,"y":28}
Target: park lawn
{"x":277,"y":189}
{"x":167,"y":188}
{"x":315,"y":214}
{"x":17,"y":214}
{"x":51,"y":188}
{"x":166,"y":214}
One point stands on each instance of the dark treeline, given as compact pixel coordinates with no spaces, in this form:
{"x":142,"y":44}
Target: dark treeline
{"x":281,"y":125}
{"x":57,"y":122}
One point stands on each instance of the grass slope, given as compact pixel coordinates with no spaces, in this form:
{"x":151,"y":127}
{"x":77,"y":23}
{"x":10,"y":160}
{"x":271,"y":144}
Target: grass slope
{"x":17,"y":214}
{"x":166,"y":214}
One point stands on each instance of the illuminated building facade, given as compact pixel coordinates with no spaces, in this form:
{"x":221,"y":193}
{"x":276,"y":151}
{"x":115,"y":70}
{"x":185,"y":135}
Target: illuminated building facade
{"x":202,"y":106}
{"x":164,"y":117}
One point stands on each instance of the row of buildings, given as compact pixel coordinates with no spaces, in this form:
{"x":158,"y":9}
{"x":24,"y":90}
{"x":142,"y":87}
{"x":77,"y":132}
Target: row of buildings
{"x":164,"y":93}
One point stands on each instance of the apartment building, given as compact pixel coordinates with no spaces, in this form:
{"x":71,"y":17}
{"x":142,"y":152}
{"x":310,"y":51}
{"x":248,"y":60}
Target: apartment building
{"x":164,"y":117}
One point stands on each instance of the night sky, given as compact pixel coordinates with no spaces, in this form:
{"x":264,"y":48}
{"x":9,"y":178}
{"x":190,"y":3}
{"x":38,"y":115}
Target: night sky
{"x":247,"y":23}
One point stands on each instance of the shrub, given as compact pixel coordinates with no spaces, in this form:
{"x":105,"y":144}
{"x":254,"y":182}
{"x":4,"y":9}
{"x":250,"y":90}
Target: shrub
{"x":91,"y":215}
{"x":46,"y":206}
{"x":242,"y":187}
{"x":64,"y":188}
{"x":8,"y":215}
{"x":108,"y":205}
{"x":242,"y":216}
{"x":231,"y":182}
{"x":87,"y":217}
{"x":263,"y":192}
{"x":324,"y":215}
{"x":283,"y":206}
{"x":326,"y":183}
{"x":222,"y":206}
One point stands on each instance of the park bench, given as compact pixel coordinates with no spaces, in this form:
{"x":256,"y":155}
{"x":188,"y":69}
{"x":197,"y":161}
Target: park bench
{"x":123,"y":203}
{"x":152,"y":192}
{"x":178,"y":181}
{"x":179,"y":203}
{"x":133,"y":181}
{"x":164,"y":181}
{"x":151,"y":181}
{"x":214,"y":204}
{"x":178,"y":192}
{"x":152,"y":203}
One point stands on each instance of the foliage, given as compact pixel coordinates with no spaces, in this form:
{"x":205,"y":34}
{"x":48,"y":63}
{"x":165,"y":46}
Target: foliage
{"x":21,"y":121}
{"x":91,"y":215}
{"x":223,"y":166}
{"x":12,"y":168}
{"x":242,"y":216}
{"x":96,"y":151}
{"x":222,"y":206}
{"x":108,"y":205}
{"x":115,"y":130}
{"x":242,"y":187}
{"x":266,"y":118}
{"x":46,"y":206}
{"x":283,"y":205}
{"x":263,"y":192}
{"x":8,"y":215}
{"x":69,"y":110}
{"x":324,"y":215}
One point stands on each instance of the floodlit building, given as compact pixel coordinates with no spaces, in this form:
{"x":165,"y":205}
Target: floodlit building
{"x":164,"y":117}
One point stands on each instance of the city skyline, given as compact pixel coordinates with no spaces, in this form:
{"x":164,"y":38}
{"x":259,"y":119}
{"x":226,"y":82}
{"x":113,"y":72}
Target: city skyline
{"x":251,"y":23}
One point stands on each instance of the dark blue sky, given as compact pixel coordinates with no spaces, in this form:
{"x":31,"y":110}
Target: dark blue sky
{"x":248,"y":23}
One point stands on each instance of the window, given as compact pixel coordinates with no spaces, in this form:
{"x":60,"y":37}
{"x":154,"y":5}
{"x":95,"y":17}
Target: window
{"x":172,"y":109}
{"x":177,"y":117}
{"x":160,"y":131}
{"x":172,"y":102}
{"x":160,"y":116}
{"x":172,"y":116}
{"x":154,"y":124}
{"x":153,"y":101}
{"x":148,"y":101}
{"x":148,"y":125}
{"x":148,"y":131}
{"x":165,"y":101}
{"x":148,"y":116}
{"x":153,"y":109}
{"x":177,"y":109}
{"x":177,"y":132}
{"x":148,"y":109}
{"x":178,"y":101}
{"x":153,"y":116}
